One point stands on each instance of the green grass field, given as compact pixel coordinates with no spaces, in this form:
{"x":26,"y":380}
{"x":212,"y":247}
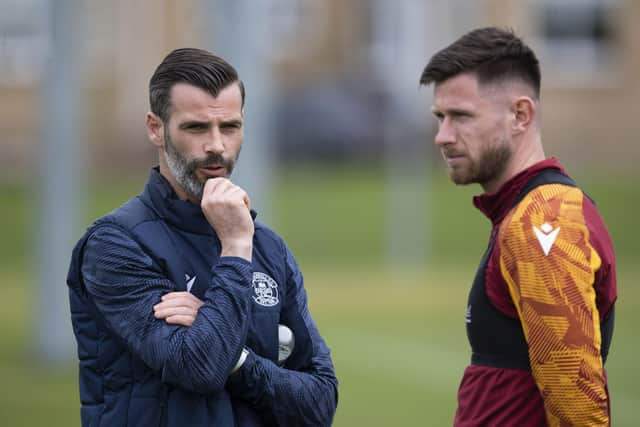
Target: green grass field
{"x":398,"y":340}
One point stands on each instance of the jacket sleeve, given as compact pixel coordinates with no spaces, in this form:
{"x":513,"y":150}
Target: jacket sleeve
{"x":123,"y":283}
{"x":305,"y":391}
{"x":550,"y":265}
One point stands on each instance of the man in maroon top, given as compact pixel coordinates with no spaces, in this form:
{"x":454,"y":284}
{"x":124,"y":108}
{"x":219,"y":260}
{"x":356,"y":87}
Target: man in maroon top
{"x":540,"y":311}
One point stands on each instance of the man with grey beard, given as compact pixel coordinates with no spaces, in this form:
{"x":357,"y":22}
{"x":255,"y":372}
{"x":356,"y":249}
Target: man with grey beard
{"x":185,"y":309}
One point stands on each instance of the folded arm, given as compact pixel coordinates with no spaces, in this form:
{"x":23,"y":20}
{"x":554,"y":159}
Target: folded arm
{"x":124,"y":284}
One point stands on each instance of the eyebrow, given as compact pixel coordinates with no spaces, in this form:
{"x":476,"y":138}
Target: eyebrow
{"x":193,"y":124}
{"x":231,"y":122}
{"x":189,"y":124}
{"x":450,"y":111}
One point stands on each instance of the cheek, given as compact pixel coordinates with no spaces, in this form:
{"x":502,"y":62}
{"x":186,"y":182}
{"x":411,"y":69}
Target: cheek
{"x":185,"y":143}
{"x":233,"y":141}
{"x":478,"y":137}
{"x":498,"y":128}
{"x":468,"y":137}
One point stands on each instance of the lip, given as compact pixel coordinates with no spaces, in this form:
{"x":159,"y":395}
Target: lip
{"x":213,"y":171}
{"x":453,"y":159}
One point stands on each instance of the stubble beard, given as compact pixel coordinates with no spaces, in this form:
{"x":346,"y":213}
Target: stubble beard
{"x":490,"y":165}
{"x":183,"y":169}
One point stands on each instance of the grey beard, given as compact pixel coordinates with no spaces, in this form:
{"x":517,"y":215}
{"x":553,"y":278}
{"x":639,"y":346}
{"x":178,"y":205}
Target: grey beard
{"x":184,"y":169}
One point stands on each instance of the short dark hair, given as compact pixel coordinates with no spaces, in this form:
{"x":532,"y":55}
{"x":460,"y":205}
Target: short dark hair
{"x":491,"y":53}
{"x":196,"y":67}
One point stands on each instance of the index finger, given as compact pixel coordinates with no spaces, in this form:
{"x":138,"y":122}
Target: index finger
{"x":211,"y":184}
{"x":174,"y":295}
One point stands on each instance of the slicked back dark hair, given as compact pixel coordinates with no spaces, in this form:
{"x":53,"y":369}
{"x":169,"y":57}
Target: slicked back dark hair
{"x":196,"y":67}
{"x":491,"y":53}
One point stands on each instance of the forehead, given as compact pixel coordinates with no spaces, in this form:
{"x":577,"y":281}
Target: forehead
{"x":460,"y":90}
{"x":189,"y":100}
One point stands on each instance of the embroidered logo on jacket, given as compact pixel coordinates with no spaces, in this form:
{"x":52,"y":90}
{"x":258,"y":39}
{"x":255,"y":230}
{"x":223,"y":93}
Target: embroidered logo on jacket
{"x":265,"y":290}
{"x":546,"y":235}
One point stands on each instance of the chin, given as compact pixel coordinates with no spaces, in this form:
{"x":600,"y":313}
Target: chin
{"x":459,"y":179}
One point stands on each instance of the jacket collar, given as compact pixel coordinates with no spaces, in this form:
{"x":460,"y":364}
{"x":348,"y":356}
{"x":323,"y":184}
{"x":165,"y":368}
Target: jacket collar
{"x":180,"y":213}
{"x":495,"y":206}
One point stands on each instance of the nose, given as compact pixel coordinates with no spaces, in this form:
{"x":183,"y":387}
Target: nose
{"x":445,"y":134}
{"x":214,"y":143}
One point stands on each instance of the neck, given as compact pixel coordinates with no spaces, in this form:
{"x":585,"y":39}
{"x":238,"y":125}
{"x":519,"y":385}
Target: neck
{"x":527,"y":152}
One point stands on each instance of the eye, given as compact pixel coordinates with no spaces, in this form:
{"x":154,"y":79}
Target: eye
{"x":196,"y":127}
{"x":230,"y":127}
{"x":459,"y":115}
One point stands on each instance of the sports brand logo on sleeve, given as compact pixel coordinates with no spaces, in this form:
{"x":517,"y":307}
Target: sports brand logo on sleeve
{"x":546,"y":235}
{"x":265,"y":290}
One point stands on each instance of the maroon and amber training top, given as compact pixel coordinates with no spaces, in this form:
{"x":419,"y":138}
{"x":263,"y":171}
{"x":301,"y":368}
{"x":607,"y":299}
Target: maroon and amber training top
{"x":550,"y":270}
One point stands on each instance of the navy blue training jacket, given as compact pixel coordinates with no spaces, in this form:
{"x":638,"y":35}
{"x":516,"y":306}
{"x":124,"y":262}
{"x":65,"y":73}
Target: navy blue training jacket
{"x":136,"y":370}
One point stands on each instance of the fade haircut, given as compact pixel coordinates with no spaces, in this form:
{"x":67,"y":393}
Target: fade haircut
{"x":491,"y":53}
{"x":196,"y":67}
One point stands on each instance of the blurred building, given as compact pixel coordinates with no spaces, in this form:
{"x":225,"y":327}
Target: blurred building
{"x":333,"y":94}
{"x":591,"y":74}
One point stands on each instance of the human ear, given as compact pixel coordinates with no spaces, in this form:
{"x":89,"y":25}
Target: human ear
{"x":155,"y":129}
{"x":524,"y":111}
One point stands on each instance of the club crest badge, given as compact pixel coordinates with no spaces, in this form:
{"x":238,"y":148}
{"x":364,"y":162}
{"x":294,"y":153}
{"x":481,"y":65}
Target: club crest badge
{"x":265,"y":290}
